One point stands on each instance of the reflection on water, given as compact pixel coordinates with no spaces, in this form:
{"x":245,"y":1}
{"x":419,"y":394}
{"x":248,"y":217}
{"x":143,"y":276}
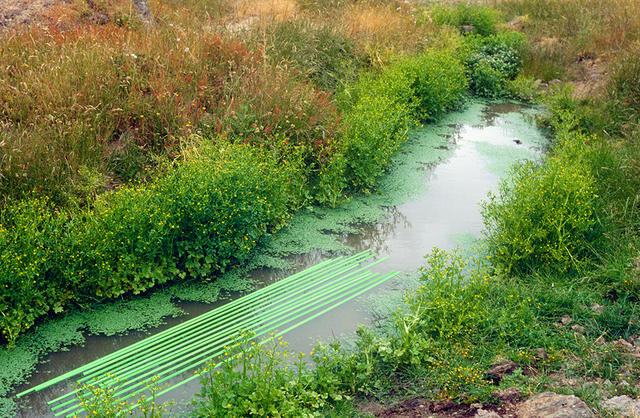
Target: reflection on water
{"x":448,"y":208}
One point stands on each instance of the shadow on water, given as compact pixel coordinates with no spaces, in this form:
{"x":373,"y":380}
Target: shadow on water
{"x":448,"y":208}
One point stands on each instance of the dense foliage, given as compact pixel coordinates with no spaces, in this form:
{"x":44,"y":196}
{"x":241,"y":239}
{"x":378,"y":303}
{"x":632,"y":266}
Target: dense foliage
{"x":202,"y":217}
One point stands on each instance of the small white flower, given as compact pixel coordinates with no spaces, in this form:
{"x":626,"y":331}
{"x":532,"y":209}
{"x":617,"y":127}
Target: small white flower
{"x":186,"y":49}
{"x":133,"y":56}
{"x":177,"y":39}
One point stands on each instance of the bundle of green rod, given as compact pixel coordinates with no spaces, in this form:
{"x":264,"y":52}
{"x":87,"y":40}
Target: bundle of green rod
{"x":171,"y":356}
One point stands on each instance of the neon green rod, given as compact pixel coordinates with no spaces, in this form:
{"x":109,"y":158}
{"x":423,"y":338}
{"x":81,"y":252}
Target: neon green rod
{"x":231,"y":320}
{"x":259,"y":293}
{"x":181,"y":360}
{"x":355,"y":292}
{"x":211,"y":329}
{"x":205,"y":338}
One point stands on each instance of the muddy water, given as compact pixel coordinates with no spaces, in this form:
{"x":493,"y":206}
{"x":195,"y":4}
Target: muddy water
{"x":444,"y":213}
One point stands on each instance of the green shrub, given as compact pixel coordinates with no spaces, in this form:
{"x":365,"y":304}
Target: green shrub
{"x":32,"y":238}
{"x":483,"y":19}
{"x":543,"y":217}
{"x":380,"y":110}
{"x":374,"y":131}
{"x":523,"y":88}
{"x":486,"y":81}
{"x":203,"y":217}
{"x":264,"y":379}
{"x":492,"y":61}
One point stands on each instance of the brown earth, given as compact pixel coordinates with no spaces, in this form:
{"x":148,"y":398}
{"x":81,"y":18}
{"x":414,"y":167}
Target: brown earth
{"x":21,"y":12}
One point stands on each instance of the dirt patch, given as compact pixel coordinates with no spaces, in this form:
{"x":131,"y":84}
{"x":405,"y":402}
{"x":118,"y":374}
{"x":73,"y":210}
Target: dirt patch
{"x":420,"y":407}
{"x":24,"y":12}
{"x":593,"y":78}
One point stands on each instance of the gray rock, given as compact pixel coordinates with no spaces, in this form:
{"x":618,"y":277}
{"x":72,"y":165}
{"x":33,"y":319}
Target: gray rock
{"x":552,"y":405}
{"x":481,"y":413}
{"x":578,"y":328}
{"x":467,"y":28}
{"x":501,"y":369}
{"x":623,"y":406}
{"x":597,"y":308}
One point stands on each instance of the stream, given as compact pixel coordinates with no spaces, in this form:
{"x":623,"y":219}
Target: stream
{"x":473,"y":149}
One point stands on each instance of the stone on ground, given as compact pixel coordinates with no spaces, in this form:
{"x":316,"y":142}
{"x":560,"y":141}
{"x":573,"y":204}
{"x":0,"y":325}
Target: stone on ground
{"x":552,"y":405}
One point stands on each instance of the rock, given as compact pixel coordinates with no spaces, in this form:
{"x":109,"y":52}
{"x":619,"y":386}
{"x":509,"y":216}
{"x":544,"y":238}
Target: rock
{"x":482,"y":413}
{"x":502,"y":369}
{"x":511,"y":394}
{"x":565,"y":320}
{"x":517,"y":23}
{"x":552,"y":405}
{"x":541,"y":354}
{"x":623,"y":406}
{"x":467,"y":28}
{"x":578,"y":328}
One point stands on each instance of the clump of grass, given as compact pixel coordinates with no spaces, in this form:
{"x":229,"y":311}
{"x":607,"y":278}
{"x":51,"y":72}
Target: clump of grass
{"x":564,"y":31}
{"x":467,"y":17}
{"x":625,"y":80}
{"x":319,"y":52}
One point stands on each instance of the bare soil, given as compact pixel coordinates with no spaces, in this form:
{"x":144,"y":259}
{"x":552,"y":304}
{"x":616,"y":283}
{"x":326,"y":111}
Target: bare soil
{"x":419,"y":407}
{"x":23,"y":12}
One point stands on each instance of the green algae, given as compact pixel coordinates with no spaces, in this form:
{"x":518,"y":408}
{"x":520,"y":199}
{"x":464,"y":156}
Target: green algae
{"x":500,"y":158}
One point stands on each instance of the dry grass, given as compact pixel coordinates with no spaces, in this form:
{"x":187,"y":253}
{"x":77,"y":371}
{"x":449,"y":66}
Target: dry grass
{"x":91,"y":99}
{"x":277,"y":10}
{"x":384,"y":30}
{"x":565,"y":32}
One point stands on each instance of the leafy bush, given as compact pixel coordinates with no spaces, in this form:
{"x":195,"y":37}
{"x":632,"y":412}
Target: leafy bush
{"x":483,"y":19}
{"x":202,"y":217}
{"x":380,"y":110}
{"x":264,"y":379}
{"x":486,"y":80}
{"x":492,"y":61}
{"x":523,"y":88}
{"x":32,"y":238}
{"x":543,"y":216}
